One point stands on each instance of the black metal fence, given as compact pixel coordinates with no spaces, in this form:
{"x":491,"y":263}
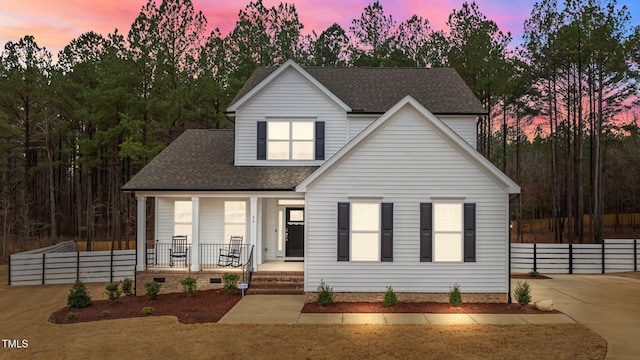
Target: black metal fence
{"x":612,"y":255}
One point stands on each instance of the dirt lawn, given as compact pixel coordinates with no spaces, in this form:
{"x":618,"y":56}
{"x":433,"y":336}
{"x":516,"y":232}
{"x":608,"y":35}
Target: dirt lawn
{"x":26,"y":309}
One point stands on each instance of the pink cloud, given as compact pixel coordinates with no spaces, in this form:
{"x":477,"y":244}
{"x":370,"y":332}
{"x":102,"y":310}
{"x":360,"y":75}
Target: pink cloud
{"x":55,"y":23}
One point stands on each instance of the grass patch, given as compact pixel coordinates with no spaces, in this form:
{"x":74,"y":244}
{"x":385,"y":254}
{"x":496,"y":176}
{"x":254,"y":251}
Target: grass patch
{"x":4,"y":272}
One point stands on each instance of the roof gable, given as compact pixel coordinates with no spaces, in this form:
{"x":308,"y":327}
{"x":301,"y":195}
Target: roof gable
{"x":261,"y":79}
{"x":443,"y":130}
{"x":376,"y":90}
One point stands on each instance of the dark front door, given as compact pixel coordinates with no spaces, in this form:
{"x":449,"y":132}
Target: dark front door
{"x":295,"y":232}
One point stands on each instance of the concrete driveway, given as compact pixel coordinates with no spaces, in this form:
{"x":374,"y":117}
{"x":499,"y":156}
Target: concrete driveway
{"x":609,"y":305}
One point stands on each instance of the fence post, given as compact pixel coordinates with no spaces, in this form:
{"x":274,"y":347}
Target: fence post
{"x":111,"y":266}
{"x":635,"y":256}
{"x":570,"y":258}
{"x":9,"y":274}
{"x":43,"y":261}
{"x":603,"y":256}
{"x":535,"y":256}
{"x":77,"y":265}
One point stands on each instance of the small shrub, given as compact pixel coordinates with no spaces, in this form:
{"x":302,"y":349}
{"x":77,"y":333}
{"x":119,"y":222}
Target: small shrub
{"x":127,"y":286}
{"x":190,"y":286}
{"x":455,"y":297}
{"x":105,"y":313}
{"x":534,"y":273}
{"x":147,"y":310}
{"x":325,"y":294}
{"x":78,"y":295}
{"x":522,"y":293}
{"x":113,"y":291}
{"x":71,"y":316}
{"x":390,"y":298}
{"x":230,"y":283}
{"x":153,"y":289}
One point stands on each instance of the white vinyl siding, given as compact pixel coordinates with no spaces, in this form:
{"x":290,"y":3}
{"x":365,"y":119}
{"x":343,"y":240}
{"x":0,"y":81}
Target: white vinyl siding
{"x":288,"y":97}
{"x":463,"y":125}
{"x":270,"y":228}
{"x":406,"y":162}
{"x":359,"y":123}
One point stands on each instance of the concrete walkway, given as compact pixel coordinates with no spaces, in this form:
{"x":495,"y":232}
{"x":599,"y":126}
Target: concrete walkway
{"x":608,"y":305}
{"x":285,"y":309}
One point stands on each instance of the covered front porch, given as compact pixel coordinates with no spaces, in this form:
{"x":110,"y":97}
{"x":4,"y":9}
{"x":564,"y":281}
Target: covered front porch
{"x":270,"y":225}
{"x":270,"y":277}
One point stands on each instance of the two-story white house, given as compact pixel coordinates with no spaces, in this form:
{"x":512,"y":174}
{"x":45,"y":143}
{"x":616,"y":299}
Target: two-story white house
{"x":368,"y":177}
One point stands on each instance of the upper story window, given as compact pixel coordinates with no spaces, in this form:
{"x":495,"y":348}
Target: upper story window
{"x":290,"y":140}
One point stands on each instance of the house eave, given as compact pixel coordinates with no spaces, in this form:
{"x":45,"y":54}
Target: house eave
{"x":207,"y":190}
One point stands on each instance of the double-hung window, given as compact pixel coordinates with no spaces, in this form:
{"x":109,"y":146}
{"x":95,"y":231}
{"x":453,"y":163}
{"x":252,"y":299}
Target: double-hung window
{"x":235,"y":219}
{"x":290,"y":140}
{"x":182,"y":218}
{"x":447,"y":231}
{"x":365,"y":232}
{"x":296,"y":139}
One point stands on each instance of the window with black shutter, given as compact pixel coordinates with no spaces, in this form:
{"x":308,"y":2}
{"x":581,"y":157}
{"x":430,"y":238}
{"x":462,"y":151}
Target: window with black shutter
{"x":469,"y":232}
{"x":426,"y":234}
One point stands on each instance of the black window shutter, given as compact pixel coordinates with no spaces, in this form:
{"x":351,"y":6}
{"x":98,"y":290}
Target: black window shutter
{"x":386,"y":230}
{"x":262,"y":140}
{"x":319,"y":140}
{"x":343,"y":231}
{"x":426,"y":232}
{"x":469,"y":232}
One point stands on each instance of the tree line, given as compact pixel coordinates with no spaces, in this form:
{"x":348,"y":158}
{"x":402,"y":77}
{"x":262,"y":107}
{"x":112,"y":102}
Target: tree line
{"x":76,"y":129}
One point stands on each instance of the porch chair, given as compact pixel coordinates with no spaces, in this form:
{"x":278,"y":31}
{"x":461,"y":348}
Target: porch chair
{"x":179,"y":249}
{"x":230,"y":254}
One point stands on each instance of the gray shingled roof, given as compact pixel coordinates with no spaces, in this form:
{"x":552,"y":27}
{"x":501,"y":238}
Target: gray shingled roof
{"x":376,"y":90}
{"x":202,"y":160}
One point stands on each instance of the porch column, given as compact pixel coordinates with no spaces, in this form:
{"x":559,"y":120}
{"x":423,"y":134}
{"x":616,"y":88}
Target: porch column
{"x":141,"y":231}
{"x":195,"y":233}
{"x":259,"y":244}
{"x":253,"y":231}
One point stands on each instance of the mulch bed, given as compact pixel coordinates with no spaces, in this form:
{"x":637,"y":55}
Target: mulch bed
{"x":206,"y":306}
{"x":424,"y":307}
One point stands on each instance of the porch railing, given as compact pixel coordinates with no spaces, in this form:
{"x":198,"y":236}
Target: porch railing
{"x":158,"y":256}
{"x":247,"y":268}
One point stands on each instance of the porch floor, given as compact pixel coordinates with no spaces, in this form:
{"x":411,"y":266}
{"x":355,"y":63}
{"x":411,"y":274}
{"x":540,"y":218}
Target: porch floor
{"x":279,"y":265}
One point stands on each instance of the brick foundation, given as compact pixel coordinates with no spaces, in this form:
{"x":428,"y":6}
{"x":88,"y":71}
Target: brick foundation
{"x":172,"y":284}
{"x":411,"y":297}
{"x":172,"y":279}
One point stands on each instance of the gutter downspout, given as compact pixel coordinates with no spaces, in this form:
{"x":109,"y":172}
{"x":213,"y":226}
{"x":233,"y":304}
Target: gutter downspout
{"x":509,"y":299}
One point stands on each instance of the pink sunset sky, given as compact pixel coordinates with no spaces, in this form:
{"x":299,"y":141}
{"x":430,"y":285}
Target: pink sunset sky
{"x":54,"y":23}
